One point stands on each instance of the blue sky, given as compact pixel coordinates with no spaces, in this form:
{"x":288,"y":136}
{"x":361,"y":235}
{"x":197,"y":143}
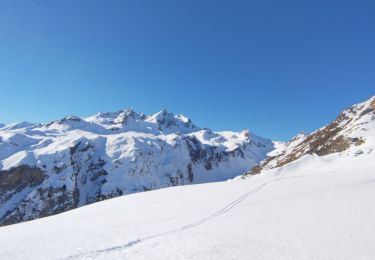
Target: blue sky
{"x":275,"y":67}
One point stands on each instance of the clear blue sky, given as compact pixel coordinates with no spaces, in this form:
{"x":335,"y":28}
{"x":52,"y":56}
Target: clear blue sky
{"x":275,"y":67}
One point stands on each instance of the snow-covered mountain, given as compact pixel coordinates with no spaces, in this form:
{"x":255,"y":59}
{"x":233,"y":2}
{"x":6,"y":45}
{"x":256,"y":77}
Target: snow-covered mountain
{"x":351,"y":129}
{"x":320,"y":205}
{"x":50,"y":168}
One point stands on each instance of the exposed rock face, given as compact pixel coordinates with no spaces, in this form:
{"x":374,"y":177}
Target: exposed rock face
{"x":372,"y":104}
{"x":50,"y":168}
{"x":43,"y":202}
{"x":19,"y":178}
{"x":341,"y":134}
{"x":15,"y":181}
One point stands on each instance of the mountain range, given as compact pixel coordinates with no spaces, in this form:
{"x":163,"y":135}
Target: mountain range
{"x":309,"y":198}
{"x":50,"y":168}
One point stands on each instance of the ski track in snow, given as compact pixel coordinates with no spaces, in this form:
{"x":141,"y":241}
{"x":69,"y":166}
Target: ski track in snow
{"x":100,"y":252}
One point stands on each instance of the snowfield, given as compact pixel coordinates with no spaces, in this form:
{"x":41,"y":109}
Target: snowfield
{"x":314,"y":208}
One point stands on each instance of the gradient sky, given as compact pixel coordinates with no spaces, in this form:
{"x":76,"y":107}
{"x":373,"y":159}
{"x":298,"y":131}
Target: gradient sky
{"x":275,"y":67}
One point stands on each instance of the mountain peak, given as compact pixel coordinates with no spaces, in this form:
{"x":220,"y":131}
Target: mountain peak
{"x":19,"y":125}
{"x":68,"y":122}
{"x":358,"y":111}
{"x":162,"y":114}
{"x":167,"y":121}
{"x":125,"y":115}
{"x":113,"y":118}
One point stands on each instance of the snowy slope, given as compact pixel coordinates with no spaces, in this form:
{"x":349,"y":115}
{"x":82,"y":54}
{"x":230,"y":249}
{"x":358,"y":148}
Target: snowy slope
{"x":313,"y":208}
{"x":51,"y":168}
{"x":350,"y":128}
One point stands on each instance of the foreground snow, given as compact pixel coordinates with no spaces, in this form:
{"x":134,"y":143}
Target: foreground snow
{"x":314,"y":208}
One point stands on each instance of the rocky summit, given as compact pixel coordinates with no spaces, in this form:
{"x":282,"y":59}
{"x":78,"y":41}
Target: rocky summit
{"x":351,"y":128}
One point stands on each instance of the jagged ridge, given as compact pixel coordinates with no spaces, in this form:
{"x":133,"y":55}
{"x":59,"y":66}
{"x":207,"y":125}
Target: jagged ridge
{"x":58,"y":166}
{"x":349,"y":129}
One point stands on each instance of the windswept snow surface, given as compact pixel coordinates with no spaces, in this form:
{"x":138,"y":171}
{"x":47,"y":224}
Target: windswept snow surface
{"x":313,"y":208}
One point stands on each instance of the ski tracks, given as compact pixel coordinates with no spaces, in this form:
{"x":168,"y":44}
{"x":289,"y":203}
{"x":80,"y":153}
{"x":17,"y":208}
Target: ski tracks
{"x":228,"y":207}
